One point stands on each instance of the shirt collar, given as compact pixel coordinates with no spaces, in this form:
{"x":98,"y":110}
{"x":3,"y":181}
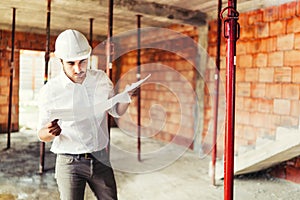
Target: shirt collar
{"x":65,"y":81}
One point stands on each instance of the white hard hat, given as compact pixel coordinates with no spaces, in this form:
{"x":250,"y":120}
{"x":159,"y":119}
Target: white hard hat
{"x":72,"y":45}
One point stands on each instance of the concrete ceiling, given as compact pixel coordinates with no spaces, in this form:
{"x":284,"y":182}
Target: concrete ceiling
{"x":31,"y":15}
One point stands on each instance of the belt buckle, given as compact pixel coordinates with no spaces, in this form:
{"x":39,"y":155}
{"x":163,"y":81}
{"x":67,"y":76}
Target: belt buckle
{"x":87,"y":156}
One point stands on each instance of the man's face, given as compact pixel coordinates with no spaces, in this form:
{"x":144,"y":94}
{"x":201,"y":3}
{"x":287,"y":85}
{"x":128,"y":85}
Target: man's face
{"x":75,"y":70}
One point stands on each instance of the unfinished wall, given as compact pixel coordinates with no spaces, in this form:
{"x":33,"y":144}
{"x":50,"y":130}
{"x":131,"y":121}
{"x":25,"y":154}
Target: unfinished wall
{"x":27,"y":41}
{"x":268,"y":71}
{"x":172,"y":75}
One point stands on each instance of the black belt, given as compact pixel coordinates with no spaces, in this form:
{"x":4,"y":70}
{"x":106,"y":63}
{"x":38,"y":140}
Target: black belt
{"x":87,"y":156}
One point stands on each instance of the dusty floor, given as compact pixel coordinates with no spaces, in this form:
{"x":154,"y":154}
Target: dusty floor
{"x":186,"y":178}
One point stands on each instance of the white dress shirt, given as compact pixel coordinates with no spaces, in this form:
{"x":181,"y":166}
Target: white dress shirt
{"x":80,"y":135}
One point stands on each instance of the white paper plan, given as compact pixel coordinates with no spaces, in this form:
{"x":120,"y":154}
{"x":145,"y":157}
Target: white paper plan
{"x":85,"y":112}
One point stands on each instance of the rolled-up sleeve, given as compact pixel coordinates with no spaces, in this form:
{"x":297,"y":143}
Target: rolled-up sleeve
{"x":43,"y":104}
{"x":113,"y":111}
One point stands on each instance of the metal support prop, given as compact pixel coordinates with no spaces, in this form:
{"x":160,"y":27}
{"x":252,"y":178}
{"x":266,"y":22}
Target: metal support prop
{"x":108,"y":40}
{"x":216,"y":97}
{"x":47,"y":58}
{"x":109,"y":50}
{"x":11,"y":76}
{"x":231,"y":33}
{"x":138,"y":76}
{"x":91,"y":38}
{"x":91,"y":31}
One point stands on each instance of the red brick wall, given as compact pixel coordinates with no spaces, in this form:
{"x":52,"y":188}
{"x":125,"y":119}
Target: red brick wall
{"x":171,"y":77}
{"x":267,"y":73}
{"x":27,"y":41}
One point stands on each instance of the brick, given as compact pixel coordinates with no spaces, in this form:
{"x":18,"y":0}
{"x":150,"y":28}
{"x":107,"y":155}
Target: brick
{"x":258,"y":90}
{"x":243,"y":89}
{"x":263,"y":132}
{"x":212,"y":50}
{"x":244,"y":61}
{"x":260,"y":60}
{"x":270,"y":14}
{"x":295,"y":108}
{"x":239,"y":103}
{"x":4,"y":90}
{"x":258,"y":119}
{"x":269,"y":44}
{"x":277,"y":28}
{"x":298,"y":8}
{"x":257,"y":46}
{"x":265,"y":105}
{"x":292,"y":58}
{"x":266,"y":74}
{"x":282,"y":106}
{"x":251,"y":75}
{"x":262,"y":30}
{"x":289,"y":121}
{"x":283,"y":74}
{"x":240,"y":75}
{"x":241,"y":48}
{"x":3,"y":100}
{"x":212,"y":37}
{"x":275,"y":59}
{"x":290,"y":91}
{"x":296,"y":75}
{"x":212,"y":26}
{"x":255,"y":17}
{"x":171,"y":127}
{"x":247,"y":32}
{"x":250,"y":104}
{"x":243,"y":19}
{"x":273,"y":91}
{"x":285,"y":42}
{"x":4,"y":81}
{"x":250,"y":134}
{"x":297,"y":41}
{"x":287,"y":10}
{"x":293,"y":25}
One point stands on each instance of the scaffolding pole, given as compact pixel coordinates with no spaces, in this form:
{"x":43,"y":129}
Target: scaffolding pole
{"x":11,"y":76}
{"x":138,"y":76}
{"x":109,"y":51}
{"x":91,"y":32}
{"x":231,"y":33}
{"x":108,"y":40}
{"x":216,"y":99}
{"x":47,"y":58}
{"x":91,"y":38}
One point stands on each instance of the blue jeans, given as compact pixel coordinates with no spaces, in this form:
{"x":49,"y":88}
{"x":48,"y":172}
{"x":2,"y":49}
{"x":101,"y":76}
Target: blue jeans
{"x":73,"y":172}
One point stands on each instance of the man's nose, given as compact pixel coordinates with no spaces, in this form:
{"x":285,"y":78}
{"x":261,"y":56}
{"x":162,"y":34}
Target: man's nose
{"x":77,"y":68}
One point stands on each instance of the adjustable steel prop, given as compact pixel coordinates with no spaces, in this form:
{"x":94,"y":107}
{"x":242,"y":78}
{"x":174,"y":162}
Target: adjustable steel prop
{"x":231,"y":33}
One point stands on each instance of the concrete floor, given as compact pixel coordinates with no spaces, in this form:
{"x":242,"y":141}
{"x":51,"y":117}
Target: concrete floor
{"x":184,"y":178}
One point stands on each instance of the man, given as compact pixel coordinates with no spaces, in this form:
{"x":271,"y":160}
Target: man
{"x":80,"y":143}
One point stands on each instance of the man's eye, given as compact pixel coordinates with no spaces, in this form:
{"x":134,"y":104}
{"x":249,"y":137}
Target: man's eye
{"x":83,"y":61}
{"x":71,"y":63}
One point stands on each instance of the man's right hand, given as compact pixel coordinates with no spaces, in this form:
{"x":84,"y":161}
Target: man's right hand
{"x":54,"y":128}
{"x":50,"y":131}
